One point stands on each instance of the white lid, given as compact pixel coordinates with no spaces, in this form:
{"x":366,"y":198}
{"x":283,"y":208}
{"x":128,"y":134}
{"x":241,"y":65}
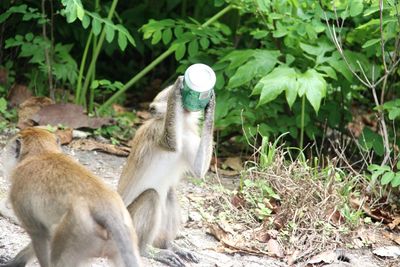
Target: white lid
{"x":200,"y":77}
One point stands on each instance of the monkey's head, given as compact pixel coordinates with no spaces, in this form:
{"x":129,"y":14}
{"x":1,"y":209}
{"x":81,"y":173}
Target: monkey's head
{"x":158,"y":107}
{"x":28,"y":142}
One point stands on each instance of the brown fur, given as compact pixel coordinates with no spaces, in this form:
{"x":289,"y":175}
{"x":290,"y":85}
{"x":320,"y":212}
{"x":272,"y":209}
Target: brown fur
{"x":69,"y":213}
{"x":163,"y":149}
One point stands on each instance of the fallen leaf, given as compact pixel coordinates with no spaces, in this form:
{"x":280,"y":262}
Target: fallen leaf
{"x":235,"y":163}
{"x":387,"y":251}
{"x":29,"y":108}
{"x":65,"y":136}
{"x":119,"y":109}
{"x":145,"y":115}
{"x":69,"y":115}
{"x":18,"y":94}
{"x":238,"y":201}
{"x":224,"y":172}
{"x":90,"y":144}
{"x":275,"y":248}
{"x":292,"y":259}
{"x":394,"y":223}
{"x":395,"y":238}
{"x":229,"y":242}
{"x":324,"y":257}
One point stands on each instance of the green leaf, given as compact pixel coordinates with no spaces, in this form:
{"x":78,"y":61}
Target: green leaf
{"x":313,"y":85}
{"x":96,"y":26}
{"x":3,"y":105}
{"x":398,"y":165}
{"x":85,"y":21}
{"x":204,"y":42}
{"x":396,"y":180}
{"x":180,"y":51}
{"x":387,"y":178}
{"x":193,"y":48}
{"x":371,"y":42}
{"x":110,"y":33}
{"x":167,"y":36}
{"x":341,"y":67}
{"x":80,"y":12}
{"x":259,"y":64}
{"x":356,"y":7}
{"x":156,"y":37}
{"x":122,"y":42}
{"x":279,"y":80}
{"x":329,"y":71}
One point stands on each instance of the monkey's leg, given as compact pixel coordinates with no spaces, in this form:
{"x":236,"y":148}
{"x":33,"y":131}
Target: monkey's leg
{"x":146,"y":214}
{"x":22,"y":257}
{"x":75,"y":238}
{"x":40,"y":242}
{"x":170,"y":227}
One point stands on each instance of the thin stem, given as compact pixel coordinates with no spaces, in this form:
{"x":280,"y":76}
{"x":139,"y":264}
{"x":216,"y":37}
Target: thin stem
{"x":82,"y":68}
{"x":157,"y":61}
{"x":47,"y":54}
{"x":96,"y":54}
{"x":303,"y":105}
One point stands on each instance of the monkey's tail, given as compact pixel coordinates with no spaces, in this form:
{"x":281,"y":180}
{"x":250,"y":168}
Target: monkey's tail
{"x":22,"y":258}
{"x":121,"y":235}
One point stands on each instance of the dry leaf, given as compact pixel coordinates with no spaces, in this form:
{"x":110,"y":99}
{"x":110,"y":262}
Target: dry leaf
{"x":145,"y":115}
{"x":235,"y":163}
{"x":69,"y":115}
{"x":292,"y":259}
{"x":394,"y":223}
{"x":119,"y":109}
{"x":64,"y":135}
{"x":29,"y":108}
{"x":90,"y":144}
{"x":324,"y":257}
{"x":387,"y":251}
{"x":18,"y":94}
{"x":395,"y":238}
{"x":229,"y":242}
{"x":275,"y":248}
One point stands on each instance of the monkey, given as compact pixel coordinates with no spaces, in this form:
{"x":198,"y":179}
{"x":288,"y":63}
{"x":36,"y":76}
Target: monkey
{"x":164,"y":148}
{"x":69,"y":214}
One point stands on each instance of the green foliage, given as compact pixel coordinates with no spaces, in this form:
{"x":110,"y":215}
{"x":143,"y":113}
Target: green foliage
{"x":257,"y":195}
{"x":74,"y":10}
{"x":386,"y":174}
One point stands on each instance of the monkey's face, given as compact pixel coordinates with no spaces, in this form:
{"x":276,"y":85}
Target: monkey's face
{"x":29,"y":141}
{"x":158,"y":107}
{"x":9,"y":156}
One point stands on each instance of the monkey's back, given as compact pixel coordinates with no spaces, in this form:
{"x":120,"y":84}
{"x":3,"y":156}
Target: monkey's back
{"x":60,"y":179}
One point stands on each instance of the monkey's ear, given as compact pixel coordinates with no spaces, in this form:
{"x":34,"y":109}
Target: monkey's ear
{"x":17,"y":147}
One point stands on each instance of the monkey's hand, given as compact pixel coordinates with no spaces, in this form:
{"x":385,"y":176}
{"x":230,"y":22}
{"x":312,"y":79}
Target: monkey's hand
{"x":165,"y":256}
{"x":204,"y":152}
{"x":173,"y":118}
{"x":184,"y":253}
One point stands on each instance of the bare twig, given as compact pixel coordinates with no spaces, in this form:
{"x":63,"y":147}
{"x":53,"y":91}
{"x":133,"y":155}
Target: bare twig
{"x":47,"y":54}
{"x":366,"y":82}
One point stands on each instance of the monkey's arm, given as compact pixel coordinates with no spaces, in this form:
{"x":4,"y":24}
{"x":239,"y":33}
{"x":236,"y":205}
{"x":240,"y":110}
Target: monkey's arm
{"x":173,"y":120}
{"x":204,"y":152}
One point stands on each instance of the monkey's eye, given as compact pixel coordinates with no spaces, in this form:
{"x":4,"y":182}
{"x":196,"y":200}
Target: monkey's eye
{"x":152,"y":109}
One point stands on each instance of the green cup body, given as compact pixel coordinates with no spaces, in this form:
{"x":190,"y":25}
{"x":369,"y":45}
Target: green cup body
{"x":194,"y":100}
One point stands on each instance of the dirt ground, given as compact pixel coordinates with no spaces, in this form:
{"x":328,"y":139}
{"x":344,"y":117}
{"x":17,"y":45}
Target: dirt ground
{"x":13,"y":238}
{"x":193,"y":234}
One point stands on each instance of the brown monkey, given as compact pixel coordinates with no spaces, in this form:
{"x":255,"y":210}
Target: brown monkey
{"x":163,"y":149}
{"x":69,"y":214}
